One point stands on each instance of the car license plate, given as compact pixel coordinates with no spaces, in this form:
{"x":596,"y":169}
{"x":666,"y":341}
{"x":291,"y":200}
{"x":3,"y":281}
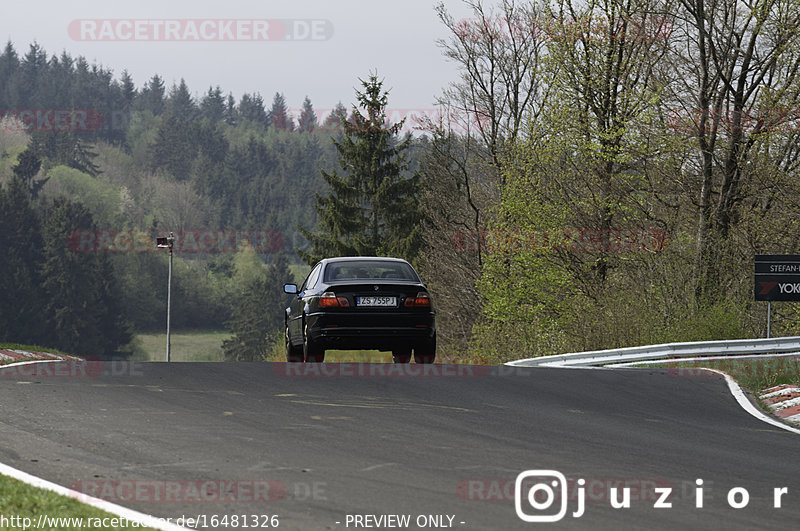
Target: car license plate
{"x":376,"y":301}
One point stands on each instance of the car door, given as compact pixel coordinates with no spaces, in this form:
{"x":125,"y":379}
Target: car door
{"x":298,"y":303}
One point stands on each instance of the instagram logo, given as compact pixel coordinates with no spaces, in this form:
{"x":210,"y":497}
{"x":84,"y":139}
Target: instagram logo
{"x":541,"y":495}
{"x":536,"y":492}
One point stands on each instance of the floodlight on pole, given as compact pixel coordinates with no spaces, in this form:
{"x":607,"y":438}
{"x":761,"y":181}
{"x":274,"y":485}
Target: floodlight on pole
{"x":167,"y":243}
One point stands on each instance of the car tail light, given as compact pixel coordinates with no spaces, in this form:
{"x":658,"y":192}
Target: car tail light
{"x":422,"y":300}
{"x":330,"y":300}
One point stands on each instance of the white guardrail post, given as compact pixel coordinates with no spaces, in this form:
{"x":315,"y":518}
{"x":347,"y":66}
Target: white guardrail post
{"x":592,"y":358}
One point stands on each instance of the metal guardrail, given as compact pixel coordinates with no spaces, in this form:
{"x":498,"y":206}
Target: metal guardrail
{"x":664,"y":351}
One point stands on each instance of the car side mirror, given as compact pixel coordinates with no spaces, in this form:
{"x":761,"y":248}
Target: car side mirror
{"x":291,"y":289}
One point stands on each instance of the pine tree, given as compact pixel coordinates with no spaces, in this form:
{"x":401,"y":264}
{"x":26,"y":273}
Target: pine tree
{"x":371,"y":208}
{"x":65,"y":148}
{"x":128,"y":89}
{"x":279,"y":114}
{"x":231,"y":113}
{"x":173,"y":149}
{"x":28,"y":165}
{"x":151,"y":97}
{"x":32,"y":68}
{"x":212,"y":106}
{"x":120,"y":116}
{"x":258,"y":315}
{"x":9,"y":65}
{"x":334,"y":121}
{"x":308,"y":118}
{"x":21,"y":312}
{"x":252,"y":108}
{"x":180,"y":103}
{"x":82,"y":309}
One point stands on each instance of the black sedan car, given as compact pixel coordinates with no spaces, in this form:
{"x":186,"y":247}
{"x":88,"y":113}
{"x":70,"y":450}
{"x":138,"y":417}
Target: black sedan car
{"x":361,"y":303}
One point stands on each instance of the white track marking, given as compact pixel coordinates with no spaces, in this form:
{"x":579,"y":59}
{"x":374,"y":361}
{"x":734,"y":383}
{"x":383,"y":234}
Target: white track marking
{"x":748,"y":406}
{"x":129,"y":514}
{"x":736,"y":391}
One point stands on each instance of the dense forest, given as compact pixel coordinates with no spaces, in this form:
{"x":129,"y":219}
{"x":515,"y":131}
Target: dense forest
{"x":114,"y":161}
{"x":601,"y":175}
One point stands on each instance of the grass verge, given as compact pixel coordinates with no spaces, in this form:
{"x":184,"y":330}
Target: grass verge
{"x":21,"y":501}
{"x":278,"y":354}
{"x":185,"y":345}
{"x":752,"y":374}
{"x":28,"y":348}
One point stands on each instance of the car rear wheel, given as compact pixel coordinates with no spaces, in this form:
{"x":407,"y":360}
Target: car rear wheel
{"x":293,"y":354}
{"x":425,"y":352}
{"x":402,"y":355}
{"x":312,"y":350}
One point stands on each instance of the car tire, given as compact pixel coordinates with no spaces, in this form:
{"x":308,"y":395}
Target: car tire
{"x":313,"y":351}
{"x":293,"y":354}
{"x":425,"y":352}
{"x":401,"y":355}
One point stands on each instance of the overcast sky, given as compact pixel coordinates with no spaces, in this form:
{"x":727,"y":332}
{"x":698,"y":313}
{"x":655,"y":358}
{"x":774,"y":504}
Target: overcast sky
{"x":350,"y":39}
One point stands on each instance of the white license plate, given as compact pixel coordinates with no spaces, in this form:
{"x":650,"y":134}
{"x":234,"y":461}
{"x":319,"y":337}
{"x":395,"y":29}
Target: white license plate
{"x":376,"y":301}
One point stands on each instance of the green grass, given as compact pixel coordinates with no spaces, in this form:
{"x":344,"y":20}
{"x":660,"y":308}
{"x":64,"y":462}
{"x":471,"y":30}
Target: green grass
{"x":195,"y":345}
{"x":19,"y":499}
{"x":335,"y":356}
{"x":752,"y":374}
{"x":760,"y":374}
{"x":204,"y":345}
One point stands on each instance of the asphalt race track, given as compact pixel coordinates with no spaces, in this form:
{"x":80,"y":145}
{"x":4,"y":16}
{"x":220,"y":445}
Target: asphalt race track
{"x":347,"y":446}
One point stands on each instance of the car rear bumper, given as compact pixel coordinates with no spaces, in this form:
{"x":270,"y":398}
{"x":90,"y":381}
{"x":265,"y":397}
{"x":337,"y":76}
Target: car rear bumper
{"x":379,"y":330}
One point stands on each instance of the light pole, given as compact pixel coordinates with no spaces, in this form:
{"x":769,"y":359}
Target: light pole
{"x":167,"y":243}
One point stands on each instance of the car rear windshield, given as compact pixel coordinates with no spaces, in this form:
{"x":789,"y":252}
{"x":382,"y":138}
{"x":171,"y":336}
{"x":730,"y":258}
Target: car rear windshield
{"x":369,"y":270}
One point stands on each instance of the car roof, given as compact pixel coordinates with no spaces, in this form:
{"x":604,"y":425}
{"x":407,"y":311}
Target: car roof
{"x":362,"y":259}
{"x":389,"y":260}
